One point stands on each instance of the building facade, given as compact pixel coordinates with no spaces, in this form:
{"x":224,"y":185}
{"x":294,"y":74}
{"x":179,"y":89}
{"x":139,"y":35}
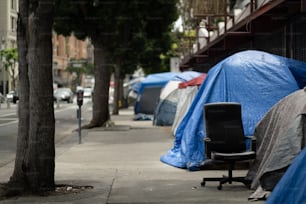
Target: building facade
{"x":66,"y":50}
{"x":274,"y":26}
{"x":8,"y":33}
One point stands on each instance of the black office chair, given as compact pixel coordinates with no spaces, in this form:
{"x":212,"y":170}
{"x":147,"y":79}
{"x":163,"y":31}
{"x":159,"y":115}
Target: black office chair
{"x":225,"y":140}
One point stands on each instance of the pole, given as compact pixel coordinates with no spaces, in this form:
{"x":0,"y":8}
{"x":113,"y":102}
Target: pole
{"x":80,"y":122}
{"x":80,"y":95}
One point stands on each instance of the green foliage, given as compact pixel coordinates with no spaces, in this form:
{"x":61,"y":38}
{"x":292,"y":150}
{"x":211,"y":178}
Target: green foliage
{"x":10,"y":56}
{"x":80,"y":67}
{"x":156,"y":57}
{"x":135,"y":32}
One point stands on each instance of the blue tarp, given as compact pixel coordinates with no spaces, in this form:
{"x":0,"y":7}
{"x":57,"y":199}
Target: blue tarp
{"x":158,"y":80}
{"x":291,"y":187}
{"x":255,"y":79}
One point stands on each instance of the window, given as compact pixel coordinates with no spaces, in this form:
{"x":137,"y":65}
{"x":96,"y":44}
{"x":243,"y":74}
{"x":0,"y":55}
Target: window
{"x":13,"y":5}
{"x":13,"y":43}
{"x":13,"y":24}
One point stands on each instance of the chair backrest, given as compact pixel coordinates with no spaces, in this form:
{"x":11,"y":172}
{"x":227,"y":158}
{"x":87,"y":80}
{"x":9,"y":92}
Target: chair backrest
{"x":223,"y":125}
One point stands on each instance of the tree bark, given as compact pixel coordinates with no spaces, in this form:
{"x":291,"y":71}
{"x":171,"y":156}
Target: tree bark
{"x":39,"y":160}
{"x":119,"y":100}
{"x":17,"y":183}
{"x":100,"y":112}
{"x":116,"y":91}
{"x":35,"y":155}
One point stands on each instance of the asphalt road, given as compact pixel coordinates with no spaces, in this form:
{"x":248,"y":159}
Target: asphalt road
{"x":66,"y":125}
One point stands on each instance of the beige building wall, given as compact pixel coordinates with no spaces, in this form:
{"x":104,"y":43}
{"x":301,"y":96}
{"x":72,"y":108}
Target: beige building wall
{"x":8,"y":39}
{"x":77,"y":48}
{"x":8,"y":22}
{"x":64,"y":50}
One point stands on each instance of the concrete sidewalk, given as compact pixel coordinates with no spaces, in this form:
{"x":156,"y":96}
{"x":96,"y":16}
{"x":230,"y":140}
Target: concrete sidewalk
{"x":122,"y":164}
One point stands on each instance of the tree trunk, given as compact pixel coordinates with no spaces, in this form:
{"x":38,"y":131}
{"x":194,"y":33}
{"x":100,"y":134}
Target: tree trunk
{"x":121,"y":93}
{"x":100,"y":112}
{"x":116,"y":91}
{"x":34,"y":164}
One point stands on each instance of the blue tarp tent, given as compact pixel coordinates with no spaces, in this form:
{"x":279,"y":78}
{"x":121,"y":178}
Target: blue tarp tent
{"x":149,"y":89}
{"x":255,"y":79}
{"x":291,"y":188}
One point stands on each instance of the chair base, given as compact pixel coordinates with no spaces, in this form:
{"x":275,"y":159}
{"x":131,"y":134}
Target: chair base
{"x":226,"y":179}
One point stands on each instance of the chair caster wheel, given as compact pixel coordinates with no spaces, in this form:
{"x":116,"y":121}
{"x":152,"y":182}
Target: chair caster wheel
{"x":219,"y":187}
{"x":203,"y":183}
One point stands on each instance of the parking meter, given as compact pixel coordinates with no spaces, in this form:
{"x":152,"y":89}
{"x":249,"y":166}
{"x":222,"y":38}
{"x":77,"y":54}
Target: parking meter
{"x":80,"y":96}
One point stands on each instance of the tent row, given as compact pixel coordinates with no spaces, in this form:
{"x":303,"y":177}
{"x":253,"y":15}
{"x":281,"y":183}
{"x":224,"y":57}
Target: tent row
{"x":270,"y":91}
{"x":166,"y":96}
{"x":257,"y":80}
{"x":157,"y":94}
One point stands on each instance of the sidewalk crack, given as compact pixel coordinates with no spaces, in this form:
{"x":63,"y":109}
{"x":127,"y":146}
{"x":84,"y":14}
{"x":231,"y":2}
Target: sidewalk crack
{"x":111,"y":187}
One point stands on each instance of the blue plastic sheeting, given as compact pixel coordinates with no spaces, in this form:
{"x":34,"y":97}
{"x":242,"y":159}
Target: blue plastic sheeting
{"x":186,"y":76}
{"x":255,"y":79}
{"x":159,"y":80}
{"x":291,"y":187}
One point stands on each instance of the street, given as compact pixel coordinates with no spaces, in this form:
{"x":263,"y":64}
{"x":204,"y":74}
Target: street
{"x":66,"y":124}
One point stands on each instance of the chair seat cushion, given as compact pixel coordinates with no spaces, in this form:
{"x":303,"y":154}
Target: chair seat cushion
{"x":233,"y":156}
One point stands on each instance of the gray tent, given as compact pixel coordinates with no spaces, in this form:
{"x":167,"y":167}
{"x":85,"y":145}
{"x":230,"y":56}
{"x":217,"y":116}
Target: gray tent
{"x":280,"y":137}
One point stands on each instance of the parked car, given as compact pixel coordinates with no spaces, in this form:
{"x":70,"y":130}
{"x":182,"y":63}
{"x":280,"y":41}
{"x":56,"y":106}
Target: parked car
{"x":63,"y":94}
{"x":12,"y":96}
{"x":87,"y":92}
